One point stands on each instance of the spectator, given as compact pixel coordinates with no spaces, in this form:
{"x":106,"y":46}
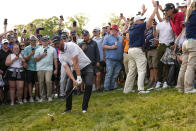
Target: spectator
{"x":151,"y":47}
{"x":72,"y":56}
{"x":63,"y":77}
{"x":99,"y":42}
{"x":114,"y":54}
{"x":91,"y":50}
{"x":15,"y":74}
{"x":187,"y":71}
{"x":44,"y":57}
{"x":31,"y":72}
{"x":4,"y":52}
{"x":137,"y":58}
{"x":166,"y":38}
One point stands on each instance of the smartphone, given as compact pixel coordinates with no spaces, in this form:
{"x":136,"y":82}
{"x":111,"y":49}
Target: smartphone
{"x":25,"y":31}
{"x":157,"y":3}
{"x":121,"y":14}
{"x":61,"y":17}
{"x":5,"y":21}
{"x":74,"y":23}
{"x":45,"y":50}
{"x":74,"y":39}
{"x":31,"y":25}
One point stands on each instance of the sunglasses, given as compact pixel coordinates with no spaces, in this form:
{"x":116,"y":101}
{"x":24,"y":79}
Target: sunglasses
{"x":22,"y":45}
{"x":33,"y":40}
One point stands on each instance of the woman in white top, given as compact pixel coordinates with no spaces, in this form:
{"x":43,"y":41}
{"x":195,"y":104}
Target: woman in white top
{"x":15,"y":74}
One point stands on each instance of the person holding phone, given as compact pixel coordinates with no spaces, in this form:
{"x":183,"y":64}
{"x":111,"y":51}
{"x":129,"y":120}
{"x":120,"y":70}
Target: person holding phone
{"x":15,"y":74}
{"x":31,"y":71}
{"x":45,"y":56}
{"x":112,"y":45}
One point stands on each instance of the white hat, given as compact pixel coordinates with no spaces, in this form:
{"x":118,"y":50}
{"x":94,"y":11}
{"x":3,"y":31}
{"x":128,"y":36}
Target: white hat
{"x":96,"y":29}
{"x":139,"y":17}
{"x":4,"y":41}
{"x":182,"y":4}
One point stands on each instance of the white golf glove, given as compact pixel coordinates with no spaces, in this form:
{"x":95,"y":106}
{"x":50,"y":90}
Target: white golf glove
{"x":79,"y":80}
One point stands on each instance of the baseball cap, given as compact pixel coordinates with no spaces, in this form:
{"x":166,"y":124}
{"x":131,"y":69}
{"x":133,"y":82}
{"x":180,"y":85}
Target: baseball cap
{"x":73,"y":32}
{"x":96,"y":29}
{"x":4,"y":41}
{"x":139,"y":17}
{"x":85,"y":32}
{"x":169,"y":6}
{"x":56,"y":39}
{"x":115,"y":27}
{"x":183,"y":4}
{"x":45,"y":38}
{"x":64,"y":36}
{"x":33,"y":37}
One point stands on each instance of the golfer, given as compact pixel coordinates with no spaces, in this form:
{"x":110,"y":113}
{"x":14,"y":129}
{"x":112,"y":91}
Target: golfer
{"x":76,"y":64}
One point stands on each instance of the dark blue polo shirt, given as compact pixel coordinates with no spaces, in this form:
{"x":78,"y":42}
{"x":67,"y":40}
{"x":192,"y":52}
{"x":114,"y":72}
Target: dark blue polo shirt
{"x":191,"y":26}
{"x":136,"y":35}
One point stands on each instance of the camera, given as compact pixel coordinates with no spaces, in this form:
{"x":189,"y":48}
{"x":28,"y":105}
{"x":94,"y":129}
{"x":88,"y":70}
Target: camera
{"x":17,"y":55}
{"x":5,"y":21}
{"x":33,"y":49}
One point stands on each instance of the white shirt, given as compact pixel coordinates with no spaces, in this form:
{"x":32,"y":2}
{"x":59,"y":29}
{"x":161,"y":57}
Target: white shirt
{"x":71,"y":50}
{"x":17,"y":63}
{"x":166,"y":34}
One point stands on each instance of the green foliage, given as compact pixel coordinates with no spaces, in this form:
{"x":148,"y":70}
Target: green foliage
{"x":51,"y":25}
{"x":81,"y":20}
{"x":165,"y":110}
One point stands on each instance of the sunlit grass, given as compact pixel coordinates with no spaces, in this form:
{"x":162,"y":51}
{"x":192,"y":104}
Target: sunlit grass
{"x":160,"y":110}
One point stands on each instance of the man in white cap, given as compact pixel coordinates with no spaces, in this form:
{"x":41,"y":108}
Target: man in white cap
{"x":137,"y":58}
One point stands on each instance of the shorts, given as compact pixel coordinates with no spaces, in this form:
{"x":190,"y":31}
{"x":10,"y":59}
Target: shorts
{"x":152,"y":57}
{"x":101,"y":68}
{"x":9,"y":76}
{"x":31,"y":76}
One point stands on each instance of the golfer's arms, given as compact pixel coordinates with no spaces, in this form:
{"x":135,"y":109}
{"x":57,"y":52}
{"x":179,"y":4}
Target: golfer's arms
{"x":69,"y":72}
{"x":76,"y":65}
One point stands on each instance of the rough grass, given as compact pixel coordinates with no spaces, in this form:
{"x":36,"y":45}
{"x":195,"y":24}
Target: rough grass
{"x":165,"y":110}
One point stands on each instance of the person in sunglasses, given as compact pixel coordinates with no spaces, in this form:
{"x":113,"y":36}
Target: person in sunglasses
{"x":31,"y":73}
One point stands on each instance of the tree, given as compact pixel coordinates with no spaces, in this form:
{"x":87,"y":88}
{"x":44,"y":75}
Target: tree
{"x":81,"y":20}
{"x":48,"y":25}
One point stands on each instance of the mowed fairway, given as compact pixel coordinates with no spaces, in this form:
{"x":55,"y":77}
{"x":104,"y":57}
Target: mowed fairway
{"x":109,"y":111}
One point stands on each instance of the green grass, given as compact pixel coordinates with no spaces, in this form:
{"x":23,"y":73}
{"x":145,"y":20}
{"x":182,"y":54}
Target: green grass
{"x":165,"y":110}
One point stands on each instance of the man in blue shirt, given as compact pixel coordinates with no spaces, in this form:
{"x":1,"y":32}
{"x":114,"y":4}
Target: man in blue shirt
{"x":31,"y":74}
{"x":137,"y":58}
{"x":187,"y":70}
{"x":114,"y":55}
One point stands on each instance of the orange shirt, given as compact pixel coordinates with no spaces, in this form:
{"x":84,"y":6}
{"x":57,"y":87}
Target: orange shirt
{"x":126,"y":41}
